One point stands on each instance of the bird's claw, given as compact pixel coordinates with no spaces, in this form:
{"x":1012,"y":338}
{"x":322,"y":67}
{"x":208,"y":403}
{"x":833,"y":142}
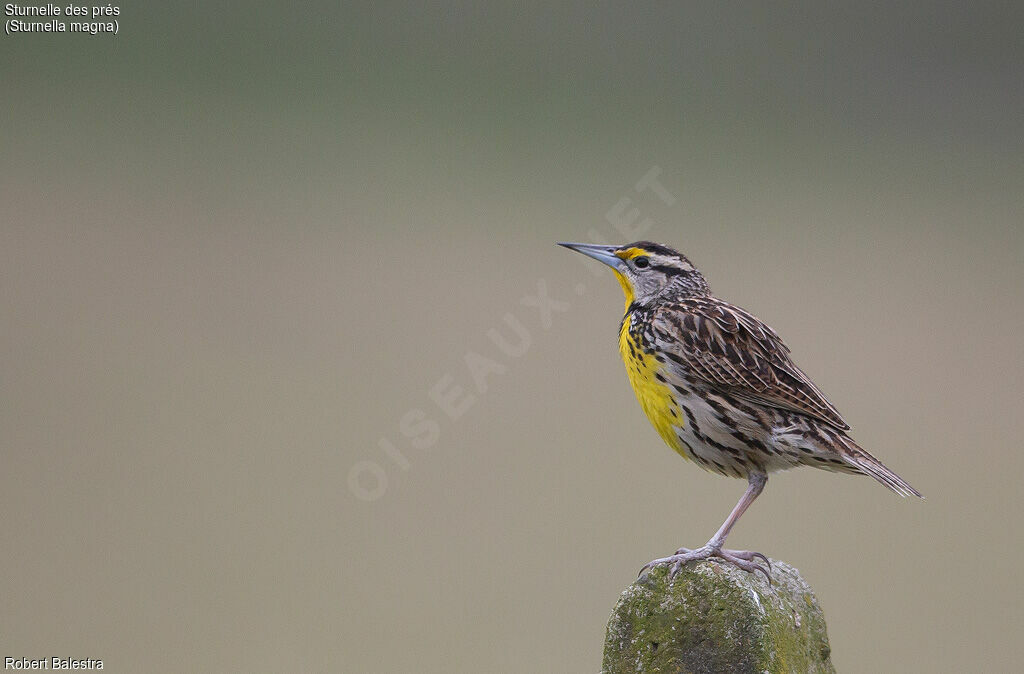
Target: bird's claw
{"x":675,"y":563}
{"x":742,"y":559}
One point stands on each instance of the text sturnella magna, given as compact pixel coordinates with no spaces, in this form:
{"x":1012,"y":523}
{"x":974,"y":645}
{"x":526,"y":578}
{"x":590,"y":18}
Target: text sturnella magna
{"x":720,"y":387}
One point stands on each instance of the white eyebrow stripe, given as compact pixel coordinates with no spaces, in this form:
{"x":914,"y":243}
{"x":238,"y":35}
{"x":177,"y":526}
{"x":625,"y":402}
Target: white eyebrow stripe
{"x":667,"y":261}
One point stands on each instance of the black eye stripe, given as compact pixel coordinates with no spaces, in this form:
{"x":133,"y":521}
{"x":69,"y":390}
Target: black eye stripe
{"x":668,"y":270}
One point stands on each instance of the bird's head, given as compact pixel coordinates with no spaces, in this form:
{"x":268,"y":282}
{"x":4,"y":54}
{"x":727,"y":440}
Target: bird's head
{"x":647,"y":270}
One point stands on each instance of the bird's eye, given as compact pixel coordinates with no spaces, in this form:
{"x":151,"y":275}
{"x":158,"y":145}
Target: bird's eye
{"x":642,"y":262}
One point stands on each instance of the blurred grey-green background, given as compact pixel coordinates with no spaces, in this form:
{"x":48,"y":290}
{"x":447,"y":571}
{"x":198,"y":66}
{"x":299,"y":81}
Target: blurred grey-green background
{"x":241,"y":244}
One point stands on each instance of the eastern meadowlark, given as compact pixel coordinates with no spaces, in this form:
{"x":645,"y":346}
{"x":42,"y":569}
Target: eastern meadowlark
{"x":721,"y":388}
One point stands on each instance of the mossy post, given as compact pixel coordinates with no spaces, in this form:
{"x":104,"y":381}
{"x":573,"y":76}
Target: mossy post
{"x":714,"y":617}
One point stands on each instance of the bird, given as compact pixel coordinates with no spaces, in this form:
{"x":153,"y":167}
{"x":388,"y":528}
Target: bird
{"x":721,"y":389}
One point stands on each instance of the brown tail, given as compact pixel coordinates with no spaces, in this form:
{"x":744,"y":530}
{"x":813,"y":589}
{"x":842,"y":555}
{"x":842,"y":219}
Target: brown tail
{"x":860,"y":459}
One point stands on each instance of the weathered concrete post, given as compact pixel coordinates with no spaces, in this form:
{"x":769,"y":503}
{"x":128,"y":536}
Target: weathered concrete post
{"x":715,"y":618}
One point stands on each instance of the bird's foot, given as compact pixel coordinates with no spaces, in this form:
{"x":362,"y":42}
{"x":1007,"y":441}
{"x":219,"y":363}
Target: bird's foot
{"x":743,"y":559}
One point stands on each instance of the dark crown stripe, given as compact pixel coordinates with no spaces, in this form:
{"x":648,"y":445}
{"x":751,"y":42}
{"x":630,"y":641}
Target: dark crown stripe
{"x":652,"y":247}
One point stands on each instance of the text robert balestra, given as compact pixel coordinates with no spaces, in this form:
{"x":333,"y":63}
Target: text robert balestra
{"x":53,"y":663}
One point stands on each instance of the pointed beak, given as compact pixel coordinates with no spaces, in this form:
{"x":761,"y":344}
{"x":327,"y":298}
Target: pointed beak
{"x":604,"y":254}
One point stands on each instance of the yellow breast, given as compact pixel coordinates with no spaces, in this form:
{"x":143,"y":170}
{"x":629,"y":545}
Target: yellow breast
{"x":656,"y":398}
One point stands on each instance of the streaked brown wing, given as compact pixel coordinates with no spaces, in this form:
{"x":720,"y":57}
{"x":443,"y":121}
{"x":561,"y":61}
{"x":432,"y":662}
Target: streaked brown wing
{"x":733,"y":350}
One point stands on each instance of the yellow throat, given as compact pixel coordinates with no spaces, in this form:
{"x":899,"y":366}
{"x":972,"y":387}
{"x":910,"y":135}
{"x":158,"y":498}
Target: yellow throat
{"x":655,"y":397}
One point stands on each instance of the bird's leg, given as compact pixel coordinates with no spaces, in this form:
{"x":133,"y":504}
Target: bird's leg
{"x":744,"y":559}
{"x":757,"y":481}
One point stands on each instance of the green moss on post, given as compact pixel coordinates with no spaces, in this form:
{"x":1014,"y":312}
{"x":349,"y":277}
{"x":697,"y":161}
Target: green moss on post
{"x":716,"y":618}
